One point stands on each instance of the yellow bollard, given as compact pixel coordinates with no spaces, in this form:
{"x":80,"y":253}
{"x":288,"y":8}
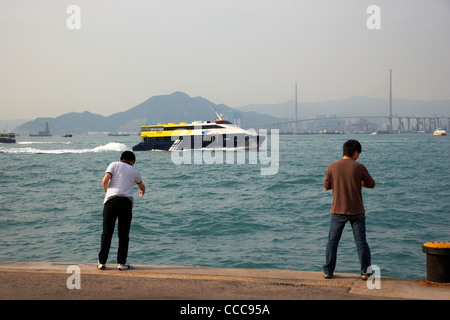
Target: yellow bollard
{"x":438,"y":261}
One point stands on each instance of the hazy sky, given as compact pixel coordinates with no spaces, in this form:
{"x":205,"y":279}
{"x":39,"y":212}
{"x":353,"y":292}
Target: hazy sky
{"x":232,"y":52}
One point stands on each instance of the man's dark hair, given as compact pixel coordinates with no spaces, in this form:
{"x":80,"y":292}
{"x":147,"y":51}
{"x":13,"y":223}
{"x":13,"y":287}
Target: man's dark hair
{"x":350,"y":146}
{"x":127,"y":156}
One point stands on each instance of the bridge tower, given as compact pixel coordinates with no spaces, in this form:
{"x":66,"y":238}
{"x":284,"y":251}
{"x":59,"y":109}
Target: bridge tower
{"x":390,"y":100}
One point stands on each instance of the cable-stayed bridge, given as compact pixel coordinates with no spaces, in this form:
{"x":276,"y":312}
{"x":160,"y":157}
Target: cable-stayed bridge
{"x":387,"y":124}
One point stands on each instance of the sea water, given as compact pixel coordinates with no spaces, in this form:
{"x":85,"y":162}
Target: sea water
{"x":225,"y":214}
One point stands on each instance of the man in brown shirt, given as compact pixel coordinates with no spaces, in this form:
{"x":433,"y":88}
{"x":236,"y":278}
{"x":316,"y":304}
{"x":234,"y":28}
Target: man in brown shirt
{"x":346,"y":177}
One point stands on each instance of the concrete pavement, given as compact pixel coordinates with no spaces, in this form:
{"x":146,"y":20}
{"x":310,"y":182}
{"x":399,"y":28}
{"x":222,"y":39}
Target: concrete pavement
{"x":83,"y":281}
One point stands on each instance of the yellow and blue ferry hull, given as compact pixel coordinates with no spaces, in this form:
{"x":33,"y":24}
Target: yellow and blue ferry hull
{"x":7,"y":138}
{"x":198,"y":135}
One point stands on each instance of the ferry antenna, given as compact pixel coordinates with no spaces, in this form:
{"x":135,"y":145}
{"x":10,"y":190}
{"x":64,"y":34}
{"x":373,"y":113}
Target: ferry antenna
{"x":220,"y":118}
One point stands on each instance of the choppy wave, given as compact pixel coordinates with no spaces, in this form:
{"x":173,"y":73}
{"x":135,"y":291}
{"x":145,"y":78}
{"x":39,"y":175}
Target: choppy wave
{"x":112,"y":146}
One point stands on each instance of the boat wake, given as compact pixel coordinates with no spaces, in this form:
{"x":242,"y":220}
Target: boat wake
{"x":112,"y":146}
{"x":42,"y":142}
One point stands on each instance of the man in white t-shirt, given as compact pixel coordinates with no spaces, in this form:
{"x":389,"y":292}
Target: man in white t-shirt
{"x":118,"y":182}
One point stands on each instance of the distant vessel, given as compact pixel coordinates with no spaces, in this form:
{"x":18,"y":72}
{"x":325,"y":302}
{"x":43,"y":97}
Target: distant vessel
{"x":439,"y":132}
{"x":45,"y":133}
{"x":7,"y":137}
{"x":67,"y":135}
{"x":220,"y":134}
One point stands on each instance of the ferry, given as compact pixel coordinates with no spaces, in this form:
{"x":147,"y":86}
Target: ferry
{"x":439,"y":132}
{"x":220,"y":134}
{"x":7,"y":137}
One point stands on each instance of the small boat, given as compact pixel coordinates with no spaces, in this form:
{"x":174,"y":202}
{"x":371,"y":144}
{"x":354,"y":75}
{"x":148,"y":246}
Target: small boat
{"x":439,"y":132}
{"x":67,"y":135}
{"x":7,"y":137}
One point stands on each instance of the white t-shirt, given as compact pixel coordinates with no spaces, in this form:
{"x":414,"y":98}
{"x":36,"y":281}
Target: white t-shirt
{"x":123,"y":178}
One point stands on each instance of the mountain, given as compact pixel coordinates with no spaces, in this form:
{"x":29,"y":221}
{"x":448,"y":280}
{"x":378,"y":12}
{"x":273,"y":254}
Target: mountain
{"x":73,"y":122}
{"x":354,"y":106}
{"x":180,"y":107}
{"x":175,"y":107}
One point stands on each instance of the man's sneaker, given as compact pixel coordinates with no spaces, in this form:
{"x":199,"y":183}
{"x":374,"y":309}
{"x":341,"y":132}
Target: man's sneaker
{"x":124,"y":266}
{"x":101,"y":266}
{"x":366,"y":276}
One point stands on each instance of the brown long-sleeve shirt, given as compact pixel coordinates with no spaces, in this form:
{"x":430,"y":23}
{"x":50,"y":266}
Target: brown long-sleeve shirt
{"x":346,"y":177}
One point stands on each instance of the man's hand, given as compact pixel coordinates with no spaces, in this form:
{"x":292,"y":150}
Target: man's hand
{"x":142,"y":188}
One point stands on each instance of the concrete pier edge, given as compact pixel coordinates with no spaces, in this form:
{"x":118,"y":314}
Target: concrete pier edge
{"x":57,"y":281}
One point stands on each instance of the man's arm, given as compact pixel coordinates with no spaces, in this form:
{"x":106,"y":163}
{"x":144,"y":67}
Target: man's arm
{"x":371,"y":186}
{"x":327,"y":181}
{"x":105,"y":181}
{"x":367,"y":180}
{"x":141,"y":186}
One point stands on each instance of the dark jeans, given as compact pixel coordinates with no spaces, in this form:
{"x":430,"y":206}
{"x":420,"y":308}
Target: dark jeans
{"x":118,"y":208}
{"x":337,"y":223}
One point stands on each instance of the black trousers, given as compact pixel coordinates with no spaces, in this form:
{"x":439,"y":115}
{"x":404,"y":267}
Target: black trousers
{"x":118,"y":208}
